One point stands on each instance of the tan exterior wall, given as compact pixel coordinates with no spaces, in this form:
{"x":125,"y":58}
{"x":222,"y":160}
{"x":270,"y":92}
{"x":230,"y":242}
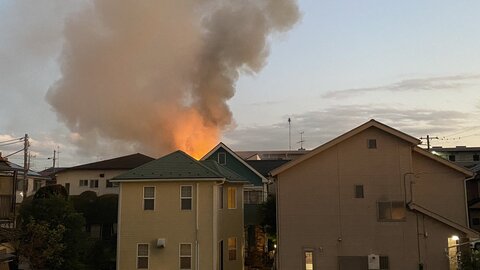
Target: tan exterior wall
{"x":317,"y":209}
{"x":73,"y":177}
{"x":175,"y":225}
{"x":6,"y":185}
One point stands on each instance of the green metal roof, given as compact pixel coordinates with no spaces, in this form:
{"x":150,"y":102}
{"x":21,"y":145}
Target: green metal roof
{"x":177,"y":166}
{"x":229,"y":174}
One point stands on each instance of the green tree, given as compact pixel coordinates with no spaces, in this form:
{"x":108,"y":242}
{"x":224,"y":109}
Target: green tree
{"x":51,"y":232}
{"x":269,"y":216}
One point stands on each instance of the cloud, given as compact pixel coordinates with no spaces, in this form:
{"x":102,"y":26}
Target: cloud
{"x":322,"y":126}
{"x":418,"y":84}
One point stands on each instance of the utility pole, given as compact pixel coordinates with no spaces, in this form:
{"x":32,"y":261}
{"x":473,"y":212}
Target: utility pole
{"x":428,"y":138}
{"x":289,"y":134}
{"x":25,"y":165}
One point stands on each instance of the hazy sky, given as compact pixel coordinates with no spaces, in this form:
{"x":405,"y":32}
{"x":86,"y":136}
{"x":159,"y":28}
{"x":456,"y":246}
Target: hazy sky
{"x":414,"y":65}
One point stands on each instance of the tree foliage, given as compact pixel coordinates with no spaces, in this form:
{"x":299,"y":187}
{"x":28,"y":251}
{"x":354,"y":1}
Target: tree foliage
{"x":51,"y":230}
{"x":269,"y":216}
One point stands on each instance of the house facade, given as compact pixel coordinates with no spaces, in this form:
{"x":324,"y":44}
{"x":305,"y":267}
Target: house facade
{"x":371,"y":199}
{"x":179,"y":213}
{"x":96,"y":176}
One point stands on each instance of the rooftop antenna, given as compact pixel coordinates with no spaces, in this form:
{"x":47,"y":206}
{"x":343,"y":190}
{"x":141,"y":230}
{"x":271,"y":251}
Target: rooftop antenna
{"x":289,"y":134}
{"x":301,"y":141}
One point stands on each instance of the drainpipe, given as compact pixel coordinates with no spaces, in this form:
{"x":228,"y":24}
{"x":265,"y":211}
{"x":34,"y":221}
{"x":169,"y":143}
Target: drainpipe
{"x":215,"y":225}
{"x":467,"y":213}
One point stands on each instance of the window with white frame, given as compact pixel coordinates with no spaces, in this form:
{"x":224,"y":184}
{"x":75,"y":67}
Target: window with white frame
{"x":142,"y":256}
{"x":186,"y":197}
{"x":186,"y":256}
{"x":222,"y":158}
{"x":232,"y":198}
{"x":148,"y":198}
{"x":308,"y":259}
{"x":110,"y":184}
{"x":83,"y":183}
{"x":94,"y":183}
{"x":391,"y":211}
{"x":253,"y":196}
{"x":232,"y":248}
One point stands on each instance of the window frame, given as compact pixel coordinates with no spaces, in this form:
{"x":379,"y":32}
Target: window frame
{"x":304,"y":256}
{"x":109,"y":184}
{"x":138,"y":256}
{"x":186,"y":198}
{"x":93,"y":181}
{"x":83,"y":183}
{"x":224,"y":155}
{"x":390,"y":218}
{"x":356,"y":194}
{"x":180,"y":256}
{"x":229,"y":198}
{"x":149,"y":198}
{"x":372,"y":144}
{"x":229,"y":249}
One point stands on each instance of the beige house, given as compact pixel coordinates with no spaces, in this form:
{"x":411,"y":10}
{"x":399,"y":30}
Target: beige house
{"x":370,"y":199}
{"x":179,"y":213}
{"x":96,"y":176}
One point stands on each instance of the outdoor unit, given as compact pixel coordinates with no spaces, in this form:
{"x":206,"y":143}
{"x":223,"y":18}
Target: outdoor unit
{"x":160,"y":242}
{"x":373,"y":261}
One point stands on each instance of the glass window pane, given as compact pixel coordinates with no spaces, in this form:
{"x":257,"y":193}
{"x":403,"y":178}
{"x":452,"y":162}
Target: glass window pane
{"x":185,"y":249}
{"x":142,"y":262}
{"x":142,"y":250}
{"x":308,"y":260}
{"x":148,"y":192}
{"x":148,"y":204}
{"x":384,"y":210}
{"x":232,"y":197}
{"x":186,"y":263}
{"x":186,"y":204}
{"x":186,"y":191}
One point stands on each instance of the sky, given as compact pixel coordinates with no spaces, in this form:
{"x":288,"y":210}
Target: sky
{"x":414,"y":65}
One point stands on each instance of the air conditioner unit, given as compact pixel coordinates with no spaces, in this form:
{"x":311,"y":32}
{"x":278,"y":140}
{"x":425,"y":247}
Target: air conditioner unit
{"x":373,"y":261}
{"x":160,"y":242}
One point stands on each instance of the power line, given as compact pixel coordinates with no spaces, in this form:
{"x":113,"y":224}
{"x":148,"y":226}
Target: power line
{"x":14,"y":153}
{"x":9,"y":143}
{"x":17,"y":139}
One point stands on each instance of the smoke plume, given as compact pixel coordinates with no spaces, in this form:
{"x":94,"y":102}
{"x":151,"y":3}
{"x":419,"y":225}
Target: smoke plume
{"x":157,"y":75}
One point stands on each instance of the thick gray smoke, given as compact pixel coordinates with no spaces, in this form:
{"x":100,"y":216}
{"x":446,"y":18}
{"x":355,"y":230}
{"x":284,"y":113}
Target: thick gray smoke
{"x":157,"y":74}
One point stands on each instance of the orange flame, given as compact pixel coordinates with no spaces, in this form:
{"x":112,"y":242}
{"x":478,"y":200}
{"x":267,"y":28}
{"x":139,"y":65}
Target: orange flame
{"x":195,"y":137}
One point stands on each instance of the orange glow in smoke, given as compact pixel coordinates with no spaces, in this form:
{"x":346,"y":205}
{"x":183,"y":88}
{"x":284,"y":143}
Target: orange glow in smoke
{"x":193,"y":136}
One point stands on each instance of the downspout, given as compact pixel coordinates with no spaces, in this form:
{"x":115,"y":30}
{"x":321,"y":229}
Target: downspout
{"x":467,"y":213}
{"x":277,"y":192}
{"x":197,"y":253}
{"x":215,"y":225}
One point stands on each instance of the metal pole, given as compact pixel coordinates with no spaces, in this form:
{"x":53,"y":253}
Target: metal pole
{"x":25,"y":165}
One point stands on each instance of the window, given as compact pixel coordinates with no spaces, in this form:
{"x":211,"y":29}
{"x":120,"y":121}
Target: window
{"x":102,"y":175}
{"x":222,"y":158}
{"x":94,"y":183}
{"x":451,"y":157}
{"x":308,"y":259}
{"x":148,"y":198}
{"x":142,"y":256}
{"x":391,"y":211}
{"x":185,"y":256}
{"x":83,"y":183}
{"x":220,"y":197}
{"x":111,"y":184}
{"x":186,"y":197}
{"x":359,"y":191}
{"x":232,"y":198}
{"x":232,"y":248}
{"x":372,"y":143}
{"x":37,"y":184}
{"x":253,"y":196}
{"x":476,"y":157}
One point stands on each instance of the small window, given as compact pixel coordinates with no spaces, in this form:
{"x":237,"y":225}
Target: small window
{"x":475,"y":221}
{"x":232,"y":198}
{"x":222,"y":158}
{"x":83,"y":183}
{"x":94,"y":183}
{"x":308,"y":259}
{"x":102,"y":175}
{"x":186,"y":197}
{"x":391,"y":211}
{"x":359,"y":191}
{"x":476,"y":157}
{"x":372,"y":143}
{"x":384,"y":262}
{"x":451,"y":157}
{"x":220,"y":197}
{"x":253,"y":196}
{"x":142,"y":256}
{"x":148,"y":198}
{"x":232,"y":248}
{"x":111,"y":184}
{"x":185,"y":256}
{"x":37,"y":184}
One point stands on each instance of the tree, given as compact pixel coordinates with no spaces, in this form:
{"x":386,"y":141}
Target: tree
{"x":51,"y":231}
{"x":269,"y":216}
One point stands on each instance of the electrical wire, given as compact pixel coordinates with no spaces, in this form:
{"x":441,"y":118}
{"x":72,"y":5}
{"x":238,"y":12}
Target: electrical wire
{"x":17,"y":139}
{"x":14,"y":153}
{"x":10,"y":143}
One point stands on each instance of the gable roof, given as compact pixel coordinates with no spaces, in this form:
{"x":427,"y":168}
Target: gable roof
{"x":179,"y":166}
{"x":120,"y":163}
{"x":222,"y":145}
{"x":266,"y":166}
{"x":345,"y":136}
{"x":469,"y":232}
{"x":443,"y":161}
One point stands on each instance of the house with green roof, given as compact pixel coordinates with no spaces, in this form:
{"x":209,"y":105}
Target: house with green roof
{"x":254,"y":194}
{"x":179,"y":213}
